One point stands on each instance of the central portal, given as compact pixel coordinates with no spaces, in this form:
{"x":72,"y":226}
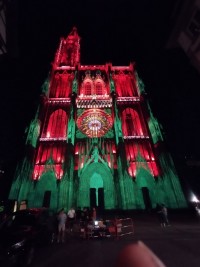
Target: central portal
{"x":96,"y":191}
{"x":96,"y":187}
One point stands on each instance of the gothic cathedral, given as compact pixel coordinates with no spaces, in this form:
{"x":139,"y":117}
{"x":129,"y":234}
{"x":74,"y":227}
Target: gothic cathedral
{"x":94,"y":141}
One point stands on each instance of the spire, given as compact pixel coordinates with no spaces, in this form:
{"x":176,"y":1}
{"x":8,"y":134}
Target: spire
{"x":68,"y":53}
{"x":74,"y":31}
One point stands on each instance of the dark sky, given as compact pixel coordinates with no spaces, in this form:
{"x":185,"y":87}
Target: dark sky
{"x":112,"y":31}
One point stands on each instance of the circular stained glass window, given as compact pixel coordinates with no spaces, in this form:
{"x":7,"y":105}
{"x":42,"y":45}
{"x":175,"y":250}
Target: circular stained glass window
{"x":94,"y":122}
{"x":94,"y":125}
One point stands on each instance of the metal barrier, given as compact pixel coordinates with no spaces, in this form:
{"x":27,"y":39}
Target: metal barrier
{"x":112,"y":228}
{"x":124,"y":227}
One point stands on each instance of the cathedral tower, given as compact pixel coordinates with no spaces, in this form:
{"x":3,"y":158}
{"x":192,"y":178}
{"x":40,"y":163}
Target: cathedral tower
{"x":94,"y":141}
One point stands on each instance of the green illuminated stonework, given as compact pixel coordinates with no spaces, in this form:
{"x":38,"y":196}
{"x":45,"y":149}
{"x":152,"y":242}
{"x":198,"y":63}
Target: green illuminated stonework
{"x":94,"y":141}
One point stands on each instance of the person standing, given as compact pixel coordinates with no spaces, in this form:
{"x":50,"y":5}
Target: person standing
{"x":62,"y":218}
{"x":71,"y":215}
{"x":165,"y":215}
{"x":94,"y":214}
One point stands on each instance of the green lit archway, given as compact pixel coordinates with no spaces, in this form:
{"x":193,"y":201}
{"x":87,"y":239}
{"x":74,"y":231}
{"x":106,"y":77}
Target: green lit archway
{"x":47,"y":183}
{"x":96,"y":174}
{"x":145,"y":180}
{"x":96,"y":182}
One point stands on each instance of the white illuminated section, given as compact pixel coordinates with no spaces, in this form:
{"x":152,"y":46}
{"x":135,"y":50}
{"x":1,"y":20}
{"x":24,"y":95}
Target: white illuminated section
{"x":136,"y":137}
{"x":52,"y":139}
{"x":94,"y":125}
{"x":194,"y":199}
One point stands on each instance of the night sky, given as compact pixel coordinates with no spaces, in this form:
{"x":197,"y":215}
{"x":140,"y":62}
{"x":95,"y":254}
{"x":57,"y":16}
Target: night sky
{"x":112,"y":31}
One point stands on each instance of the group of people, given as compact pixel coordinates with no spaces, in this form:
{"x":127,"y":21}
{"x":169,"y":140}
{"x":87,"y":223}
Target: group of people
{"x":88,"y":217}
{"x":68,"y":219}
{"x":91,"y":226}
{"x":62,"y":219}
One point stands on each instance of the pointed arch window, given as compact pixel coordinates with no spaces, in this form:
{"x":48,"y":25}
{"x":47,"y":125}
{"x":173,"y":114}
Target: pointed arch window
{"x":49,"y":157}
{"x":56,"y":152}
{"x":61,"y":85}
{"x":65,"y":86}
{"x":55,"y":85}
{"x":131,"y":124}
{"x":88,"y":88}
{"x":57,"y":124}
{"x":125,"y":85}
{"x":99,"y":88}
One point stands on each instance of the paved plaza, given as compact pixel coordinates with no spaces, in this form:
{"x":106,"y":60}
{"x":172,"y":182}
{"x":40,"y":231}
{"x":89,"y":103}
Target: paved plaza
{"x":177,"y":245}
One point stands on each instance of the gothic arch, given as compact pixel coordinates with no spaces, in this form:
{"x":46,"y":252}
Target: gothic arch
{"x":108,"y":185}
{"x":47,"y":182}
{"x":131,"y":124}
{"x":87,"y":87}
{"x":57,"y":124}
{"x":145,"y":179}
{"x":100,"y":88}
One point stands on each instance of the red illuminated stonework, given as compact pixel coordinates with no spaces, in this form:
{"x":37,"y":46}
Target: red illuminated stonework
{"x":94,"y":141}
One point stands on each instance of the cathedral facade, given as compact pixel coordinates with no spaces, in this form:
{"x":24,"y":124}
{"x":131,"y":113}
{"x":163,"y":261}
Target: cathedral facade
{"x":94,"y":141}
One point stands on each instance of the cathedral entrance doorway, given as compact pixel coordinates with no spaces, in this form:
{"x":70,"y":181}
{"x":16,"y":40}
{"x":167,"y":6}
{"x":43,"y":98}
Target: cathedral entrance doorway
{"x":46,"y":199}
{"x":96,"y":191}
{"x":146,"y":198}
{"x":97,"y":198}
{"x":96,"y":187}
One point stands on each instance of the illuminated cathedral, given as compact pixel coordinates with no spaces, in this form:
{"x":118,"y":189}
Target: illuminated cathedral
{"x":94,"y":141}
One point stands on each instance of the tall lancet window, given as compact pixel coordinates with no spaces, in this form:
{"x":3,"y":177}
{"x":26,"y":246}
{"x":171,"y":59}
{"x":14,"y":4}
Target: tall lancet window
{"x":99,"y":88}
{"x":57,"y":124}
{"x":88,"y":88}
{"x":131,"y":124}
